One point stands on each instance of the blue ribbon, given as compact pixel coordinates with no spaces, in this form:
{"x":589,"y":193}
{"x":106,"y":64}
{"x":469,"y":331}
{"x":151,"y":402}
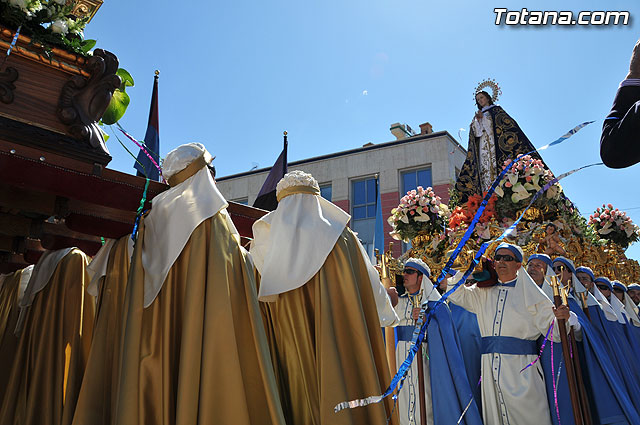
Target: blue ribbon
{"x":134,"y":232}
{"x":423,"y":321}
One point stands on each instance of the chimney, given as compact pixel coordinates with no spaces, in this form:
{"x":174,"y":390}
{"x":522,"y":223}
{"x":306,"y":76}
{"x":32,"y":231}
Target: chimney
{"x":426,"y":128}
{"x":401,"y":131}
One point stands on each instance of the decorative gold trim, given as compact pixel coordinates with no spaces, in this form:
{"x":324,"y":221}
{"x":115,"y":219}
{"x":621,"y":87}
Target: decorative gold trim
{"x":297,"y":189}
{"x":189,"y":171}
{"x":493,"y":85}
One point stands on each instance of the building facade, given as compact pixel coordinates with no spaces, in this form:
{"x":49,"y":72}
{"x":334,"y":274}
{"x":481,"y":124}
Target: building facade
{"x":349,"y":178}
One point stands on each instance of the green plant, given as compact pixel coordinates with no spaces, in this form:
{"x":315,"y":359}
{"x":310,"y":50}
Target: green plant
{"x":48,"y":23}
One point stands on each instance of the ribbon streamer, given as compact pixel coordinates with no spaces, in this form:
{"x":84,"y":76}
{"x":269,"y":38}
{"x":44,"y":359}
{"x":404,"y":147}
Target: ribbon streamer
{"x":421,"y":326}
{"x":11,"y":46}
{"x":555,"y":381}
{"x":546,"y":337}
{"x":143,"y":149}
{"x":134,"y":232}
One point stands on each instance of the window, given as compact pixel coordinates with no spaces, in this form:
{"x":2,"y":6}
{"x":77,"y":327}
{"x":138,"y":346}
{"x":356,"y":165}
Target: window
{"x":325,"y":191}
{"x":363,"y":211}
{"x":414,"y":178}
{"x":411,"y":180}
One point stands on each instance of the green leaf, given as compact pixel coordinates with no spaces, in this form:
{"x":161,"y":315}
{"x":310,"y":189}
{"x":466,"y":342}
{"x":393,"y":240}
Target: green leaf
{"x":117,"y":107}
{"x":127,"y":79}
{"x":87,"y":45}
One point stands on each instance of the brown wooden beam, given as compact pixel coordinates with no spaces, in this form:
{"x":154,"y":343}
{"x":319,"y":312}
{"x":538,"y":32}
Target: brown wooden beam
{"x":35,"y":202}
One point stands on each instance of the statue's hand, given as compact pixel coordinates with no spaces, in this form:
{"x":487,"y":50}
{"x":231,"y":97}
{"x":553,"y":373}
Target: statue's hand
{"x":634,"y":64}
{"x":479,"y":113}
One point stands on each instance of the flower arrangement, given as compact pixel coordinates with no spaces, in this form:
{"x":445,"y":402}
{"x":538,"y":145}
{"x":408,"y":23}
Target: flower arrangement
{"x":464,"y":214}
{"x":526,"y":177}
{"x":47,"y":22}
{"x":614,"y":225}
{"x":420,"y":211}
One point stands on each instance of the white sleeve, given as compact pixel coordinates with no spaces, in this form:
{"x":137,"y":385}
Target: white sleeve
{"x":477,"y":127}
{"x":465,"y":297}
{"x":386,"y":314}
{"x":575,"y":324}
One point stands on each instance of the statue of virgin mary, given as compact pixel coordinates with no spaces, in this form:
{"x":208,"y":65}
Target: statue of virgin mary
{"x":494,"y":137}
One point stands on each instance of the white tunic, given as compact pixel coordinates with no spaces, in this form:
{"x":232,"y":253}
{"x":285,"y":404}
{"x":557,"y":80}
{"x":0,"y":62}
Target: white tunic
{"x":483,"y":129}
{"x":408,"y":399}
{"x":522,"y":311}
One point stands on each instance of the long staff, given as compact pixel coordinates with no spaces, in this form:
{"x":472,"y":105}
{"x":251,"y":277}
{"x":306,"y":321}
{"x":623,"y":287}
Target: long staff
{"x":566,"y":354}
{"x":421,"y":393}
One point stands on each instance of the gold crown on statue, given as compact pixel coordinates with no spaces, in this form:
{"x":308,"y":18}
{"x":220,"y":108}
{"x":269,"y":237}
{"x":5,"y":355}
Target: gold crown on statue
{"x":491,"y":84}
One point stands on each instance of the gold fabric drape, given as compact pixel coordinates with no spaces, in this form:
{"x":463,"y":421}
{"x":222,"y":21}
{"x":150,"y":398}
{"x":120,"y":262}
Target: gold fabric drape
{"x":198,"y":354}
{"x":327,"y":343}
{"x":8,"y":317}
{"x":97,"y":398}
{"x":52,"y":349}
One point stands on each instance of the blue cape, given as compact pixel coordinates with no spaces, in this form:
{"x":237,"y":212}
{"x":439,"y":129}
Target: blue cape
{"x":450,"y":389}
{"x":471,"y":346}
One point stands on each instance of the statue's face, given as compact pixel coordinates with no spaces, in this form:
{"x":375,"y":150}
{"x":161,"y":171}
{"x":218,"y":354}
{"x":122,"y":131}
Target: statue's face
{"x":482,"y":100}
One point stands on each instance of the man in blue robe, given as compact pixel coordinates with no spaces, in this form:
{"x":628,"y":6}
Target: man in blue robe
{"x":447,"y":389}
{"x":609,"y":398}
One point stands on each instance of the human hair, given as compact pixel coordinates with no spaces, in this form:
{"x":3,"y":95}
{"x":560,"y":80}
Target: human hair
{"x":486,"y":95}
{"x":212,"y":169}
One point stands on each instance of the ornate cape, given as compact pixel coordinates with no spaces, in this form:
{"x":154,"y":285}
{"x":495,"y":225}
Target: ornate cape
{"x":510,"y":141}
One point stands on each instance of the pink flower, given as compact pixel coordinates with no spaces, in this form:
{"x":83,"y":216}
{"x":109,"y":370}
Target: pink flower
{"x":508,"y":184}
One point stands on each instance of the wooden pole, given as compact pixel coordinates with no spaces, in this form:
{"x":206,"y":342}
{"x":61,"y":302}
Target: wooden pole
{"x":585,"y":306}
{"x":584,"y":401}
{"x":571,"y":377}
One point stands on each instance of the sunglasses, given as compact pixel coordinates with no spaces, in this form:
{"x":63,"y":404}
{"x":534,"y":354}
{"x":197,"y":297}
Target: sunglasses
{"x":504,"y":257}
{"x":603,"y":287}
{"x":618,"y":290}
{"x":409,"y":271}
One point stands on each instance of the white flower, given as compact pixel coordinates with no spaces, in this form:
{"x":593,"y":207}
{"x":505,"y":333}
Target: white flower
{"x":60,"y":27}
{"x":296,"y":178}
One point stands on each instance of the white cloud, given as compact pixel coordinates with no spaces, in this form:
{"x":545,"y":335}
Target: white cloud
{"x":365,"y":92}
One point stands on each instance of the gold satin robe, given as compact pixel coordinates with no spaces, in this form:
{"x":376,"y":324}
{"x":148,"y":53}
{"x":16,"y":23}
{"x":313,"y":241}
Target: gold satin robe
{"x":198,"y":354}
{"x":97,"y":398}
{"x":52,"y":349}
{"x":327,"y":345}
{"x":8,"y":318}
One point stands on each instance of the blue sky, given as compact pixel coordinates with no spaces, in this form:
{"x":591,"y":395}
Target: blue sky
{"x":336,"y":74}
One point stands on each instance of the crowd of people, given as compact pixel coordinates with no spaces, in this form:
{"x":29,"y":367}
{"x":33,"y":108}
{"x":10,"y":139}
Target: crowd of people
{"x":186,"y":326}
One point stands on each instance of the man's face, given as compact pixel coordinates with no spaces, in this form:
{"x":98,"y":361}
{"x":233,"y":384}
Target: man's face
{"x":635,"y":295}
{"x":411,"y":280}
{"x":585,"y":279}
{"x":537,"y":269}
{"x":604,"y":289}
{"x":506,"y":265}
{"x":563,"y":272}
{"x":619,"y":293}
